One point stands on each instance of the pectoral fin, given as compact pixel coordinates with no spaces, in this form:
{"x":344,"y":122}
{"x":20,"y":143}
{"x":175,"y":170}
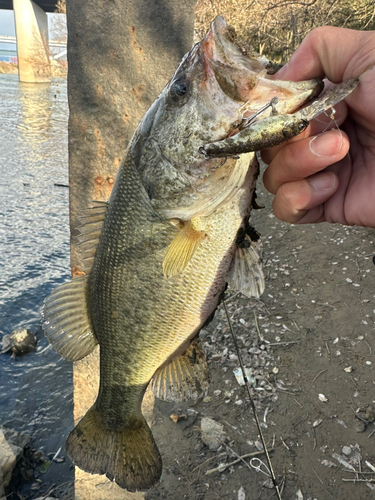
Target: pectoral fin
{"x":185,"y":377}
{"x":246,"y":274}
{"x":183,"y":247}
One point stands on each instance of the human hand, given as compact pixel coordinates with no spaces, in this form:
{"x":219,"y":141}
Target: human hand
{"x":313,"y":177}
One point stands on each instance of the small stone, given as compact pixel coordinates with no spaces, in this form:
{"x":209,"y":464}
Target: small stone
{"x":346,"y":450}
{"x":175,"y":417}
{"x":359,"y":425}
{"x":20,"y":341}
{"x":268,"y":484}
{"x":275,"y":370}
{"x":317,"y":422}
{"x":199,"y":446}
{"x":258,"y":445}
{"x":322,"y":398}
{"x":348,"y":369}
{"x":207,"y":399}
{"x":213,"y":433}
{"x":241,"y":494}
{"x":12,"y":444}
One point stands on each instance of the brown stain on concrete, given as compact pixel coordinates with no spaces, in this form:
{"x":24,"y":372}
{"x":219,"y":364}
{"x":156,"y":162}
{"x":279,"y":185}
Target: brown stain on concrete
{"x":99,"y":91}
{"x":117,"y":162}
{"x":99,"y":144}
{"x":138,"y":91}
{"x":126,"y":116}
{"x":137,"y":49}
{"x":102,"y":187}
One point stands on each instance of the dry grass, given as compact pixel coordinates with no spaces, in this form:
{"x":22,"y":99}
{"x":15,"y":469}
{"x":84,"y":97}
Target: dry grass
{"x":6,"y":67}
{"x":277,"y":27}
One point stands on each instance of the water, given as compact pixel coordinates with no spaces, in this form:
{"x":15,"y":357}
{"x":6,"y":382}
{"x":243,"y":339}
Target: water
{"x":36,"y":390}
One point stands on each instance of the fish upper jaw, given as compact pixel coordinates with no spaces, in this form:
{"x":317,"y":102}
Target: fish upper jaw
{"x":242,"y":74}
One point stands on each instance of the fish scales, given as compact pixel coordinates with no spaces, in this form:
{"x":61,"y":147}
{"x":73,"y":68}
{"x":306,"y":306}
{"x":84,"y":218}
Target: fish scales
{"x":173,"y":234}
{"x":168,"y":312}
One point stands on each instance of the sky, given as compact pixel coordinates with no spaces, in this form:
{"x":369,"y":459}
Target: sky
{"x":7,"y":27}
{"x":7,"y":23}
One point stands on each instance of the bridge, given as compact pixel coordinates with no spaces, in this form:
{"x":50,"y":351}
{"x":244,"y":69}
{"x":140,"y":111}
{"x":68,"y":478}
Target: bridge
{"x":45,"y":5}
{"x":32,"y":37}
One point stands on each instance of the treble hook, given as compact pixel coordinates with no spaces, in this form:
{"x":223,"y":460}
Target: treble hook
{"x":251,"y":118}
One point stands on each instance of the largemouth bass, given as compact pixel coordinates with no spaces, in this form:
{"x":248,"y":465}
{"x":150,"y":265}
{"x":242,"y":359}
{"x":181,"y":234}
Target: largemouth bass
{"x":159,"y":254}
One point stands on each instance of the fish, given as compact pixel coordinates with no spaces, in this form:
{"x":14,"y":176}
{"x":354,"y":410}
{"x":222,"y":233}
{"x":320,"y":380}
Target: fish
{"x":173,"y":235}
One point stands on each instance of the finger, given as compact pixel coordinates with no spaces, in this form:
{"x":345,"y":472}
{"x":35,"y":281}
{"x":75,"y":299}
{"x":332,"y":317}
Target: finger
{"x":337,"y":53}
{"x":303,"y":201}
{"x":321,"y":123}
{"x":304,"y":158}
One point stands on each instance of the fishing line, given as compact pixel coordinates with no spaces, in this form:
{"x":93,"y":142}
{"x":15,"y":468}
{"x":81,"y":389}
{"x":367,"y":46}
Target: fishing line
{"x":272,"y":474}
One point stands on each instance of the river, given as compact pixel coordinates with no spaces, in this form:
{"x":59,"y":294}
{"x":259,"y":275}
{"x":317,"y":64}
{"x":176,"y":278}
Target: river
{"x":36,"y":390}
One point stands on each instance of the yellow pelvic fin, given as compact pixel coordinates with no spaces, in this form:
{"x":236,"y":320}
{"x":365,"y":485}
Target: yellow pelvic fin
{"x":183,"y":246}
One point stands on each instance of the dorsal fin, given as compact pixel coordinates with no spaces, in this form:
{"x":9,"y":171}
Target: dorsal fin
{"x":90,"y":230}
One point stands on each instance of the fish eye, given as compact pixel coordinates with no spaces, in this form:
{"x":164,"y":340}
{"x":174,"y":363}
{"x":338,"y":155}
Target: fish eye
{"x":179,"y":88}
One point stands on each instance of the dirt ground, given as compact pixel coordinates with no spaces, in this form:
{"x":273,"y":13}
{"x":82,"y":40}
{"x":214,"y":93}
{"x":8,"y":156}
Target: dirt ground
{"x":311,"y":342}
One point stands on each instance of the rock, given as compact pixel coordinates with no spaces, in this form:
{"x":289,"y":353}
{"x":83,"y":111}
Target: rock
{"x":177,"y":416}
{"x":359,"y":425}
{"x":20,"y":341}
{"x":213,"y":433}
{"x":12,"y":444}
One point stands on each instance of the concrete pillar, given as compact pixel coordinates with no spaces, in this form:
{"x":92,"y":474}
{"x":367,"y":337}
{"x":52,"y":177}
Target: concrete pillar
{"x":32,"y":42}
{"x":120,"y":56}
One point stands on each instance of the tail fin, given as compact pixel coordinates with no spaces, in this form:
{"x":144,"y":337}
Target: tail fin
{"x":130,"y":457}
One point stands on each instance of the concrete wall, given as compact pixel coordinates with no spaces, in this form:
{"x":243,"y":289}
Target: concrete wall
{"x":32,"y":42}
{"x":120,"y":56}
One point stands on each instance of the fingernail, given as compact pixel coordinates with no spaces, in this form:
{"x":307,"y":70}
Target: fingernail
{"x":323,"y":181}
{"x":322,"y":145}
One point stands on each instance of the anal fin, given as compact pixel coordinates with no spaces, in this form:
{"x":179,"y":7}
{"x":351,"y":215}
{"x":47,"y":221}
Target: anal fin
{"x":246,"y":273}
{"x":66,"y":320}
{"x":185,"y":377}
{"x":183,"y":247}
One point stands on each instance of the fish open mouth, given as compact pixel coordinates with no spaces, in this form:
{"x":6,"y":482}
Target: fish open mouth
{"x":244,"y":76}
